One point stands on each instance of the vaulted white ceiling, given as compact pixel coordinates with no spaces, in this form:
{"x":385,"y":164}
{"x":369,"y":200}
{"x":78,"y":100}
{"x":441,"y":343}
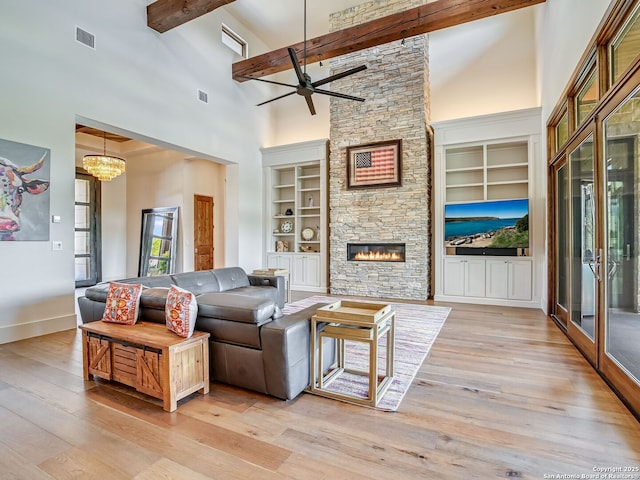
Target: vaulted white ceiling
{"x":280,"y":23}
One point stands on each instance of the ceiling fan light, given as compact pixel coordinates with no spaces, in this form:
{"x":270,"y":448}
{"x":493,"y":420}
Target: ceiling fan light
{"x":306,"y":87}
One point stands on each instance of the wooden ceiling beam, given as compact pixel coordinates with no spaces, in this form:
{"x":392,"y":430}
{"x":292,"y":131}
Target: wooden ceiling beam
{"x":163,"y":15}
{"x":415,"y":21}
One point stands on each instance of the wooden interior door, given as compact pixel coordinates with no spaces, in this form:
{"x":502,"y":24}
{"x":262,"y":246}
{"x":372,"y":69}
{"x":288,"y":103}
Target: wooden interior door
{"x":203,"y":232}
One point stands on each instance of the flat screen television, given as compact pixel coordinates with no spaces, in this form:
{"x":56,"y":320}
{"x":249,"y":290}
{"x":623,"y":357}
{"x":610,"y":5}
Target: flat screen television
{"x":487,"y":228}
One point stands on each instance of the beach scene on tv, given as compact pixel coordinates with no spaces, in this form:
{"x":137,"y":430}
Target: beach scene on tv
{"x":497,"y":224}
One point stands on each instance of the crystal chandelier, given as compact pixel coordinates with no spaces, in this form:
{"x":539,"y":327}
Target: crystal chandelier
{"x":104,"y":167}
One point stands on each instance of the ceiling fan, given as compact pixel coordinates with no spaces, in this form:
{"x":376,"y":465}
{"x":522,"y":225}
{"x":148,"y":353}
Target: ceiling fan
{"x":305,"y":86}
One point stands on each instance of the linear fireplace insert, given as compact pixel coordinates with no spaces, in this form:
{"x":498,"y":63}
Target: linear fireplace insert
{"x":376,"y":252}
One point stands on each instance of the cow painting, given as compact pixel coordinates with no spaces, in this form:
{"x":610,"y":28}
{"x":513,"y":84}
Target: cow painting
{"x":16,"y":182}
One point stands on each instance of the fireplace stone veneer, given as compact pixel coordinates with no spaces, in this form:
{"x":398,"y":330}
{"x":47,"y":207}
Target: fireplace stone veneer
{"x":395,"y":87}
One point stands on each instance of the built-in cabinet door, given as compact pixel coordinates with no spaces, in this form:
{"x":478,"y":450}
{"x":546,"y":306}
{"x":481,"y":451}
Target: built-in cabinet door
{"x":509,"y":279}
{"x":474,"y":284}
{"x":497,"y":278}
{"x":464,"y":277}
{"x":282,"y":262}
{"x":520,"y":279}
{"x":454,"y":276}
{"x":306,"y":270}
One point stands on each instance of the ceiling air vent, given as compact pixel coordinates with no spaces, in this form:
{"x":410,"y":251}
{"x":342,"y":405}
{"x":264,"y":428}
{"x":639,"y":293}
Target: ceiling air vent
{"x":85,"y":38}
{"x":203,"y":96}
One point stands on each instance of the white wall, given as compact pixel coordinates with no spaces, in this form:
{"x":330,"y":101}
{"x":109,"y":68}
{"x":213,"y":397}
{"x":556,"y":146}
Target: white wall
{"x":485,"y":66}
{"x":137,"y":80}
{"x":567,"y":28}
{"x":114,"y":228}
{"x":166,"y":179}
{"x":202,"y":177}
{"x":154,"y":180}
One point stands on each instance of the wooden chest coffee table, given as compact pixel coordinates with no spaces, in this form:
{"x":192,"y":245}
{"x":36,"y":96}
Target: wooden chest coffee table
{"x":148,"y":357}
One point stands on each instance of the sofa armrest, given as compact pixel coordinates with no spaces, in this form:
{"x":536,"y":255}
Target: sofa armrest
{"x":276,"y":281}
{"x":90,"y":310}
{"x":286,"y":350}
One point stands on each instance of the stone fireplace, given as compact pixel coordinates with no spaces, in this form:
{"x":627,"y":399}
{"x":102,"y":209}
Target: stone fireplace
{"x":395,"y":86}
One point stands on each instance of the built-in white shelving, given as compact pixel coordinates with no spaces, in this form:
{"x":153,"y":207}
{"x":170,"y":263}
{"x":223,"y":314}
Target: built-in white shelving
{"x":482,"y":159}
{"x":487,"y":171}
{"x":295,"y":203}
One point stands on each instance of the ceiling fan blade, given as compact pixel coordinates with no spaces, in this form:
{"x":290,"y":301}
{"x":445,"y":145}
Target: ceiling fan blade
{"x":312,"y":109}
{"x":336,"y":94}
{"x":338,"y":76}
{"x":277,"y":98}
{"x":296,"y":65}
{"x":267,"y":81}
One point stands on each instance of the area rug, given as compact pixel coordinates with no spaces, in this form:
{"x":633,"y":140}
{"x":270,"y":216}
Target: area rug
{"x":417,"y":327}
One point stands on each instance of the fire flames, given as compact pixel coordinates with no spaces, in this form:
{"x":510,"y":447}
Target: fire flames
{"x":378,"y":256}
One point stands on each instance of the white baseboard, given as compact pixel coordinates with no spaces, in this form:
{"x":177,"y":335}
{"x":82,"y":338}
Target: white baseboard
{"x":487,"y":301}
{"x":13,"y":333}
{"x":302,"y":288}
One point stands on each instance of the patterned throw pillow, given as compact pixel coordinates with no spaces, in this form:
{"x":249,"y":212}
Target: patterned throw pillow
{"x":123,"y":303}
{"x":181,"y":311}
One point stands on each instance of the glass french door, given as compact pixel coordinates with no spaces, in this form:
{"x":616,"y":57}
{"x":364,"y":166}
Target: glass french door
{"x":560,"y":240}
{"x":620,"y":351}
{"x":594,"y":197}
{"x":585,"y":251}
{"x":596,"y":244}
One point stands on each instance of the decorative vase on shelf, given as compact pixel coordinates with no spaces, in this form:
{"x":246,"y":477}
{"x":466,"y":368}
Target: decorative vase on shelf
{"x":310,"y":201}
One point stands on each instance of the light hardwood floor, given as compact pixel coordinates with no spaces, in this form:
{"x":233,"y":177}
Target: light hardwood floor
{"x":503,"y":394}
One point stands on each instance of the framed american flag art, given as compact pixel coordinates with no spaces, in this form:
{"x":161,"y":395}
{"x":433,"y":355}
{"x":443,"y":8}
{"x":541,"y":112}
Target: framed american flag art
{"x":375,"y":165}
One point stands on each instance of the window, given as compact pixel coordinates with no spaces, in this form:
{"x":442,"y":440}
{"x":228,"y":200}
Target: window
{"x":587,"y":97}
{"x":562,"y":131}
{"x":234,"y":42}
{"x":625,"y":47}
{"x":87,"y":230}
